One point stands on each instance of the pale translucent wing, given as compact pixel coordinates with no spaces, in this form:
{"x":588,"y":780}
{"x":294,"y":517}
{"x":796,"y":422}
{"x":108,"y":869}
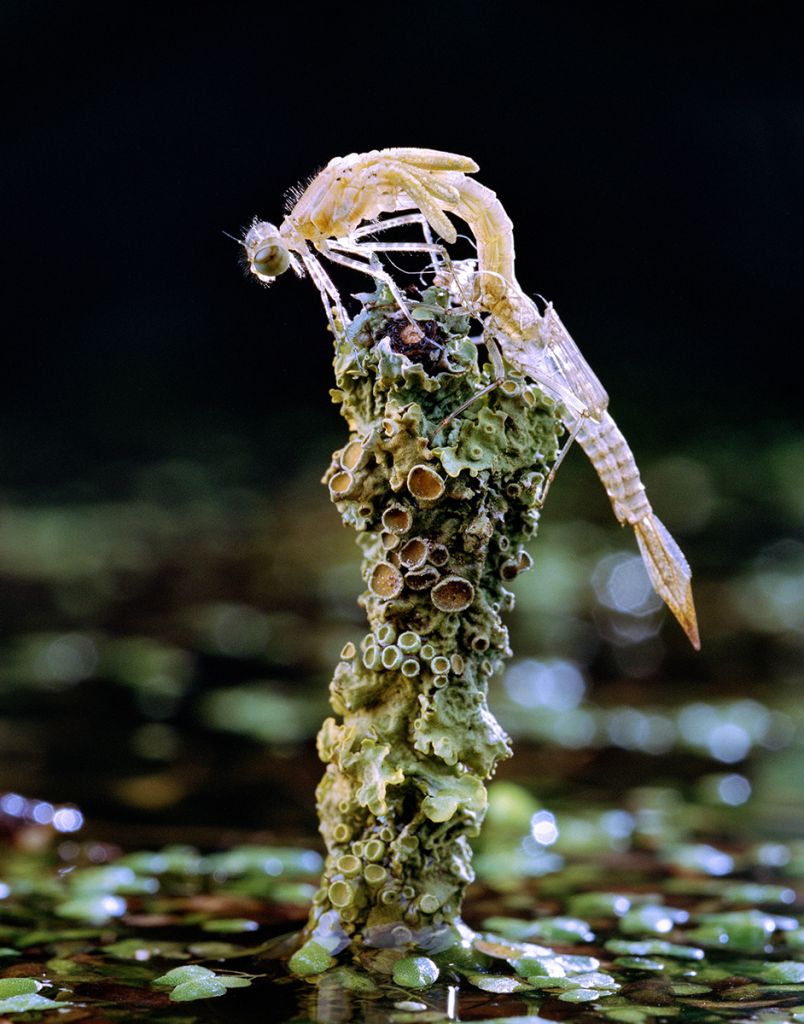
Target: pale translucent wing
{"x":542,"y":365}
{"x":432,"y":159}
{"x":548,"y":354}
{"x":433,"y":213}
{"x":440,"y":187}
{"x":578,"y":373}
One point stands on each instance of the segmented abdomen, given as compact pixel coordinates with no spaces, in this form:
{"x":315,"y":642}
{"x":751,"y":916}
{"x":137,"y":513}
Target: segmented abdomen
{"x":614,"y":463}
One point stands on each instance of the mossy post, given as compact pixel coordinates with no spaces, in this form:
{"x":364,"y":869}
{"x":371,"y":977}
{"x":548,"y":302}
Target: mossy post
{"x":441,"y":517}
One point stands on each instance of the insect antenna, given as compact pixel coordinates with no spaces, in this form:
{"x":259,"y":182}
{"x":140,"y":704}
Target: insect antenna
{"x":238,"y":240}
{"x":410,"y":273}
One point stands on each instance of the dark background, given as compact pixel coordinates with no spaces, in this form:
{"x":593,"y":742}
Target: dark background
{"x":651,"y":168}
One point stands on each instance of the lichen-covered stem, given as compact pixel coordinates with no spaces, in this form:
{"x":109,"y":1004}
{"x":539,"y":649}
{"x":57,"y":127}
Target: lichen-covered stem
{"x":441,"y":520}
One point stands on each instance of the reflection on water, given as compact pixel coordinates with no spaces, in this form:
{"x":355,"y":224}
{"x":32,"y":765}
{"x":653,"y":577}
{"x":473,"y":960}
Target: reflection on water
{"x":581,"y":907}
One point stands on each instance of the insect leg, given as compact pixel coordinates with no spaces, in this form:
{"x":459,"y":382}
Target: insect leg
{"x":433,"y":213}
{"x":391,"y":222}
{"x":435,"y":253}
{"x":327,"y":290}
{"x":374,"y":270}
{"x":559,"y":459}
{"x":371,"y":247}
{"x":409,"y":218}
{"x":499,"y":376}
{"x":398,"y":222}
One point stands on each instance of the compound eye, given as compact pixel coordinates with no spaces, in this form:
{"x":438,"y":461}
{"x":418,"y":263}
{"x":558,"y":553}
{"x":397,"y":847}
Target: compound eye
{"x":270,"y":260}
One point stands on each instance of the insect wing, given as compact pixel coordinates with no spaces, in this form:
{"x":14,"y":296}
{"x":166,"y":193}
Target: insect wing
{"x":577,"y":373}
{"x":431,"y":159}
{"x":540,"y":364}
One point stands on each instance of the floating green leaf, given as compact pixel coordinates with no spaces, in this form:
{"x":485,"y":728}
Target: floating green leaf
{"x":180,"y":975}
{"x":552,"y":929}
{"x":658,"y":920}
{"x":112,"y":878}
{"x":639,"y":963}
{"x":198,"y":988}
{"x":752,"y":892}
{"x":542,"y":967}
{"x":599,"y":904}
{"x":145,"y":949}
{"x":96,"y":909}
{"x":654,"y":947}
{"x":232,"y":924}
{"x":497,"y":983}
{"x":354,"y":981}
{"x":28,"y":1002}
{"x":580,"y":995}
{"x":312,"y":958}
{"x":574,"y":964}
{"x":687,"y":988}
{"x":783,"y":971}
{"x":18,"y":986}
{"x":415,"y":972}
{"x":747,"y":931}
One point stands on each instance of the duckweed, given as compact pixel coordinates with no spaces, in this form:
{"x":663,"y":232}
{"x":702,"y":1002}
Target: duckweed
{"x":658,"y":977}
{"x":95,"y":909}
{"x":651,"y":918}
{"x":28,"y":1002}
{"x":573,"y":964}
{"x":753,"y":892}
{"x":201,"y":988}
{"x":415,"y":972}
{"x":17,"y":986}
{"x":500,"y":984}
{"x":701,"y":857}
{"x":312,"y":958}
{"x":231,"y":924}
{"x":599,"y":904}
{"x":639,"y":963}
{"x":654,"y":947}
{"x":786,"y":972}
{"x":538,"y":967}
{"x":112,"y":878}
{"x":688,"y":988}
{"x":596,"y":980}
{"x":580,"y":995}
{"x":179,"y":975}
{"x":746,"y":931}
{"x":551,"y":929}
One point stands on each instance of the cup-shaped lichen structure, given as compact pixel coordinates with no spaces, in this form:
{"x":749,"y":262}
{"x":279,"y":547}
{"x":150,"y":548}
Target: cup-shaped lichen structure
{"x":442,"y":513}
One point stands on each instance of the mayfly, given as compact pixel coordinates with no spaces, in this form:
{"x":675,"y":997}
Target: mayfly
{"x":334,"y":215}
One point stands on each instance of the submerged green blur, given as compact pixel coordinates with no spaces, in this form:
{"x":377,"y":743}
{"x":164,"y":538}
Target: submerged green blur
{"x":166,"y":649}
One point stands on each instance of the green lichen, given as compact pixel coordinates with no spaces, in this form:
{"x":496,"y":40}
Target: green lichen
{"x":442,"y":512}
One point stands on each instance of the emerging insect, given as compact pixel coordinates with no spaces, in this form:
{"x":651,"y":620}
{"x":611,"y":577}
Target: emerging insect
{"x":326,"y":217}
{"x":329,"y":217}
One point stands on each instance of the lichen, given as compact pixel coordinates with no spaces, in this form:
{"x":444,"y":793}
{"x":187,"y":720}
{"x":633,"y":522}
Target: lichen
{"x":442,"y":511}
